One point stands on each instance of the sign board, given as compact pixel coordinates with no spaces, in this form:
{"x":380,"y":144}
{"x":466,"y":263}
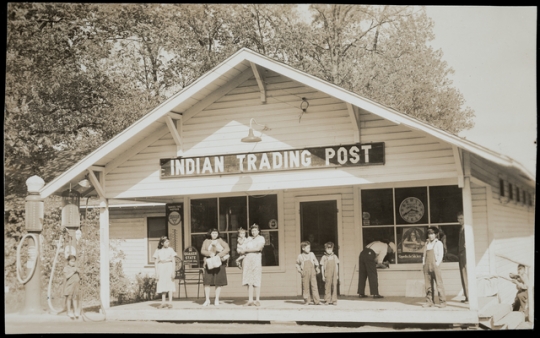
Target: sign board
{"x":191,"y":256}
{"x":175,"y":212}
{"x":308,"y":158}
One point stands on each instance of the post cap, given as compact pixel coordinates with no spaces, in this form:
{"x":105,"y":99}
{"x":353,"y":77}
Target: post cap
{"x":34,"y":184}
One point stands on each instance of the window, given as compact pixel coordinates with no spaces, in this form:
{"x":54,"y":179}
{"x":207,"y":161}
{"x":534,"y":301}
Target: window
{"x":501,"y":187}
{"x":156,"y":227}
{"x":402,"y":215}
{"x":227,"y":214}
{"x":518,"y":195}
{"x":510,"y":191}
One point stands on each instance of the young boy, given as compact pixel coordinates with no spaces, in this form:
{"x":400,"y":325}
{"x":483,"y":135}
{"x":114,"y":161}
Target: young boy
{"x":521,"y":280}
{"x":329,"y":269}
{"x":432,"y":259}
{"x":308,"y":266}
{"x":241,"y":242}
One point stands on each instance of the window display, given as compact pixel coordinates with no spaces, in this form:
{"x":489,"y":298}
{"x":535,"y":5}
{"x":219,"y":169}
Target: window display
{"x":402,"y":215}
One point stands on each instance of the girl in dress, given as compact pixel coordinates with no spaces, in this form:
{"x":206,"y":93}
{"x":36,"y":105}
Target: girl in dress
{"x":252,"y":265}
{"x":71,"y":287}
{"x":164,"y":262}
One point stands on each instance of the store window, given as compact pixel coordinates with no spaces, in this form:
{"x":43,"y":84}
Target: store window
{"x":156,"y":228}
{"x":402,"y":215}
{"x":227,"y":214}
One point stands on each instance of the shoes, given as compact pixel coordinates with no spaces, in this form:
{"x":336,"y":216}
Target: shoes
{"x":465,"y":301}
{"x":249,"y":304}
{"x":378,"y":296}
{"x":334,"y":303}
{"x":362,"y":296}
{"x":169,"y":306}
{"x":162,"y":306}
{"x":306,"y":302}
{"x":216,"y":302}
{"x":71,"y":315}
{"x":257,"y":303}
{"x":206,"y":303}
{"x":441,"y":305}
{"x":427,"y":305}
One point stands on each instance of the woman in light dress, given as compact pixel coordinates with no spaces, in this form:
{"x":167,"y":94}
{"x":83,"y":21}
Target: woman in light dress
{"x":252,"y":265}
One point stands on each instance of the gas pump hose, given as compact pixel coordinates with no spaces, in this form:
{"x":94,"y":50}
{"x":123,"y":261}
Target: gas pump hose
{"x":19,"y":268}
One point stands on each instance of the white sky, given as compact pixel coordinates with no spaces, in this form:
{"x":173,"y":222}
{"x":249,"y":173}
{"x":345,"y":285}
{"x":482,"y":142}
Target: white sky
{"x":493,"y":53}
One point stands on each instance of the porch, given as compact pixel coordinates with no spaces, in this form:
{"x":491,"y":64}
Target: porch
{"x":407,"y":310}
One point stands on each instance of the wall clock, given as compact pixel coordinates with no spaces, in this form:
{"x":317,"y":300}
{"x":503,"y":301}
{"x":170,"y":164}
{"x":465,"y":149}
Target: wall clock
{"x":411,"y":209}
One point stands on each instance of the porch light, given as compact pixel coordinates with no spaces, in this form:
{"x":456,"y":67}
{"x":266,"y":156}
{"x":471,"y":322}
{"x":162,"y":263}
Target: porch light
{"x":251,"y":137}
{"x":85,"y":183}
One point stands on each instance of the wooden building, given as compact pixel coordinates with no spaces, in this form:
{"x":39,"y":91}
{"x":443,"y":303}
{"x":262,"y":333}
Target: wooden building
{"x":329,"y":163}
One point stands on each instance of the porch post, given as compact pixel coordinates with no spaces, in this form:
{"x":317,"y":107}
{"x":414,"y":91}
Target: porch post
{"x":104,"y":253}
{"x":469,"y":234}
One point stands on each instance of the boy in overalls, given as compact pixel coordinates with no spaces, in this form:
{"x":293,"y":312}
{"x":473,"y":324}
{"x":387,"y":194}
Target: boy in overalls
{"x":308,"y":266}
{"x":329,"y":269}
{"x":432,"y":259}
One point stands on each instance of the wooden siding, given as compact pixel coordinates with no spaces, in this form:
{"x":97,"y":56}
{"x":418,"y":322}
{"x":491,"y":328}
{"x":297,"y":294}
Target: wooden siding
{"x":512,"y":224}
{"x":410,"y":154}
{"x":480,"y":229}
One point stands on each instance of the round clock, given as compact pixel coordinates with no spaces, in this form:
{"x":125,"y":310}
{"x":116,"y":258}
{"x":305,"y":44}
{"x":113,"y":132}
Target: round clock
{"x":175,"y":218}
{"x":411,"y":209}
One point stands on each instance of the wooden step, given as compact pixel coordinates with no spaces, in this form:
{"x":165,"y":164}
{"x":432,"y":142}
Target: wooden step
{"x":495,"y":311}
{"x":511,"y":321}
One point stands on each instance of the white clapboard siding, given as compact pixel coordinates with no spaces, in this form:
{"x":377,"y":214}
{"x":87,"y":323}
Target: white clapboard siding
{"x":480,"y":230}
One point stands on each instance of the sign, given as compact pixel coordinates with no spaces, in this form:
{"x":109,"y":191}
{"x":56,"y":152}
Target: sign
{"x":191,"y":256}
{"x":308,"y":158}
{"x":174,"y":212}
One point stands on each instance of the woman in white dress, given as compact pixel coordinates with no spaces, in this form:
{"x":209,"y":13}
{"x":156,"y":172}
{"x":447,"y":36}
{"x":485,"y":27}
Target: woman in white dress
{"x":252,"y":265}
{"x":164,"y":262}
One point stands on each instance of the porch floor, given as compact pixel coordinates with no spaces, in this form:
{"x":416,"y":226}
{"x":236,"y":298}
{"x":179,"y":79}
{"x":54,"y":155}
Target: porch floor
{"x":348,"y":309}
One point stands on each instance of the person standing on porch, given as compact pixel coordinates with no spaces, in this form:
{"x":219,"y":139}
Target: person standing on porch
{"x":164,"y":263}
{"x":329,"y":270}
{"x":462,"y":257}
{"x":252,"y":265}
{"x":308,"y":267}
{"x":213,"y":245}
{"x":370,"y":259}
{"x":431,"y":260}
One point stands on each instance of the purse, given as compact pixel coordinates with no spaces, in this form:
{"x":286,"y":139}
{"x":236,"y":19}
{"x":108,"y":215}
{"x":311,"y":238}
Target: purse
{"x":213,"y":262}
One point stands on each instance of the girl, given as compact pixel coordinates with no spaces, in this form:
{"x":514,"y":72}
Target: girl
{"x":71,"y":287}
{"x":164,"y":262}
{"x":308,"y":266}
{"x":252,"y":265}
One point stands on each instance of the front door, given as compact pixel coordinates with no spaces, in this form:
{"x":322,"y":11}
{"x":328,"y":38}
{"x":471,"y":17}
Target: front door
{"x":319,"y":225}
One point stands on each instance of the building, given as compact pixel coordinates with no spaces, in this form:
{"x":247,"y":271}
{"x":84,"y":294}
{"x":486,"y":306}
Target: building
{"x":329,"y":163}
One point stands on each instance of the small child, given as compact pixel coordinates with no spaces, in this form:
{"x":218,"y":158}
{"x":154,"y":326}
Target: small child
{"x":329,"y":268}
{"x":71,"y":287}
{"x":241,"y":244}
{"x":521,"y":280}
{"x":308,"y":266}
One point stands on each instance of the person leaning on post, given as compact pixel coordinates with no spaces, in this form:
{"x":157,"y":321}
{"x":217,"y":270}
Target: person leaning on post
{"x":462,"y":257}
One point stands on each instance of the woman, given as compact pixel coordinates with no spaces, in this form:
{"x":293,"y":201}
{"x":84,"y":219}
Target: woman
{"x":213,"y":245}
{"x":252,"y":265}
{"x":164,"y":262}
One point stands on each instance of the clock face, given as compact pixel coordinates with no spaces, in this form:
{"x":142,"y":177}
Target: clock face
{"x":411,"y":209}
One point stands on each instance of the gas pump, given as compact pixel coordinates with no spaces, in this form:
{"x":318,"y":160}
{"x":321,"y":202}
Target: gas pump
{"x":34,"y":211}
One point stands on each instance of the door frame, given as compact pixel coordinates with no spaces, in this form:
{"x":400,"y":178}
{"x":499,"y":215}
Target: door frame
{"x":316,"y":198}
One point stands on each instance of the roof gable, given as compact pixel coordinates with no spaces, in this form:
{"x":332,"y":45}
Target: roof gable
{"x":223,"y":77}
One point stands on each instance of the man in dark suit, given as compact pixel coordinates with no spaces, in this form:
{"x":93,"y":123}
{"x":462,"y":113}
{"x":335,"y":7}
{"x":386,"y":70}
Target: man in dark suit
{"x":462,"y":258}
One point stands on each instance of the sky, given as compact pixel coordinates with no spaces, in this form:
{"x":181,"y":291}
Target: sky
{"x":493,"y":53}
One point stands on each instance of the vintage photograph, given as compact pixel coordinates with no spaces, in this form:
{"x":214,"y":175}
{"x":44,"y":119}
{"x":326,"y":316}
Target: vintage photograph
{"x":269,"y":168}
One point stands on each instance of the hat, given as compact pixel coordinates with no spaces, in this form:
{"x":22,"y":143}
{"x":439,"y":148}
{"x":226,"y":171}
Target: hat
{"x":393,"y":246}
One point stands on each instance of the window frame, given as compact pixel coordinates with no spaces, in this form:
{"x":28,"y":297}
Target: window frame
{"x":280,"y":267}
{"x":395,"y":226}
{"x":150,"y":259}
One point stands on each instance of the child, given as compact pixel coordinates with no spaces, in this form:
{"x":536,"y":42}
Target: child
{"x":241,"y":244}
{"x":164,"y":262}
{"x":522,"y":284}
{"x":433,"y":256}
{"x":71,"y":287}
{"x":308,"y":266}
{"x":329,"y":268}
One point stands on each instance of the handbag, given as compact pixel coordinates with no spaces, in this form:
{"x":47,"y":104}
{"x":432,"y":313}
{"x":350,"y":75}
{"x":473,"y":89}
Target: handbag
{"x":213,"y":262}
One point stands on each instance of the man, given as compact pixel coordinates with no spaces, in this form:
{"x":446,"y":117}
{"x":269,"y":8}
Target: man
{"x":462,"y":258}
{"x":370,"y":259}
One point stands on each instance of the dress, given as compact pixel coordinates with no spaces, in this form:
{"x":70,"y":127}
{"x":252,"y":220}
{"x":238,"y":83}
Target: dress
{"x":252,"y":264}
{"x":71,"y":284}
{"x":165,"y":270}
{"x":217,"y":276}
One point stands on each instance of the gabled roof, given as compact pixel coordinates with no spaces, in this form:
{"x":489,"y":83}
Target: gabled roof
{"x":192,"y":95}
